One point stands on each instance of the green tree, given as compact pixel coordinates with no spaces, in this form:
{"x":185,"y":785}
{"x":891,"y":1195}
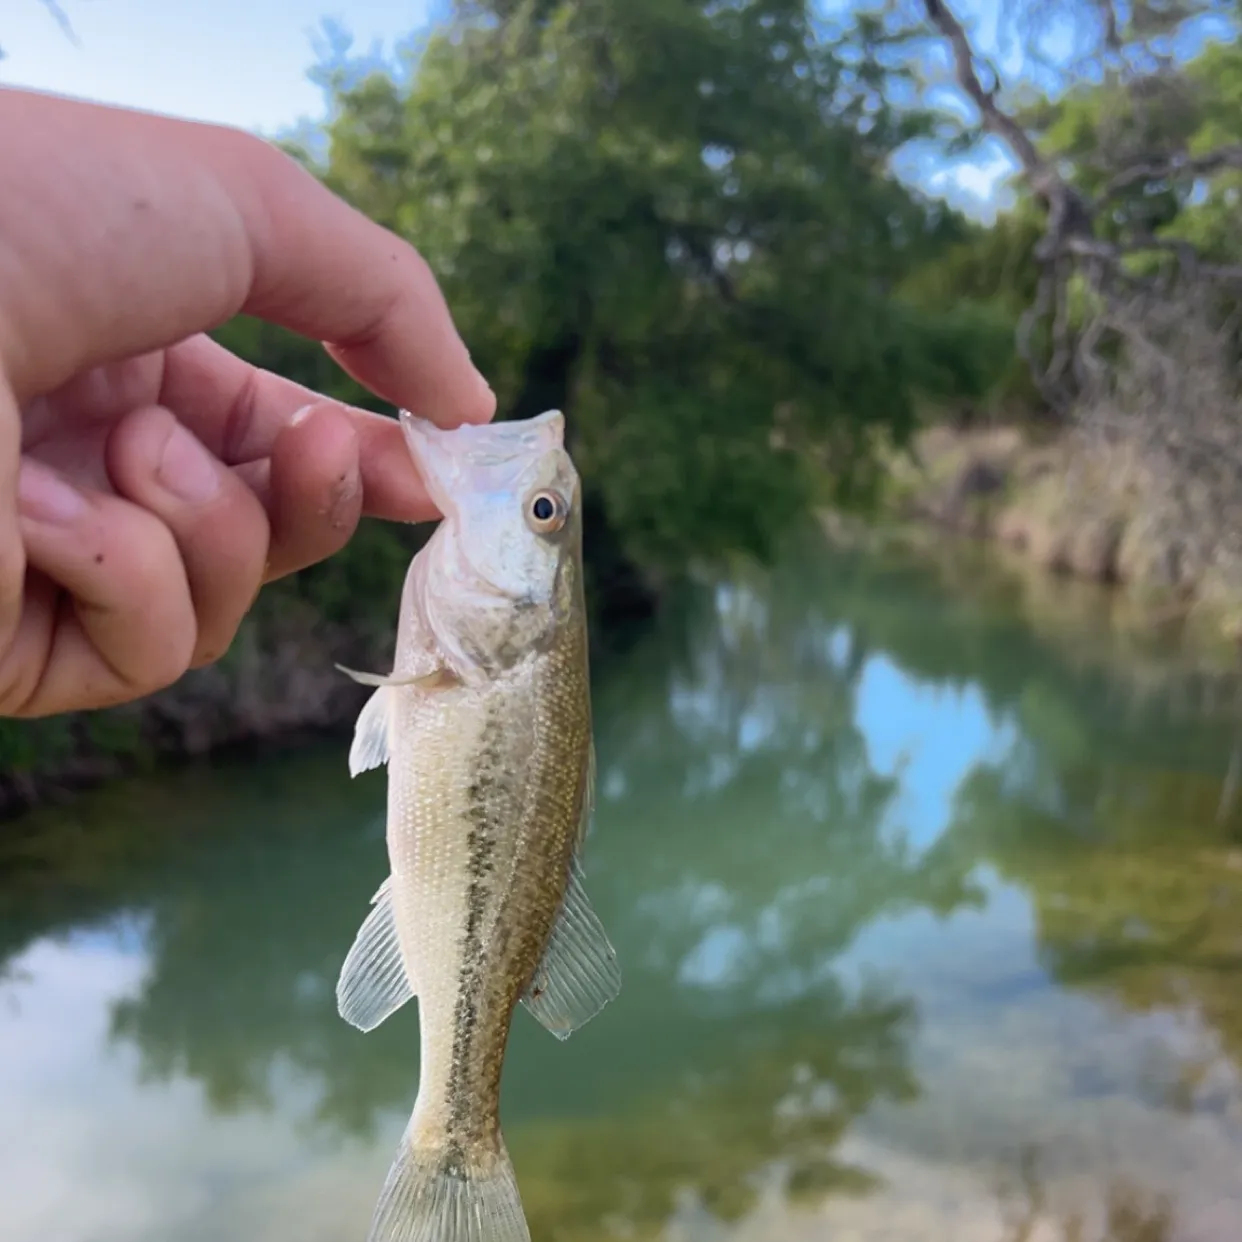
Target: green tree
{"x":677,"y":222}
{"x":984,"y":283}
{"x":1112,"y":131}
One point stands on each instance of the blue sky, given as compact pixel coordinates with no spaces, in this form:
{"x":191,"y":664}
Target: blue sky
{"x":241,"y":62}
{"x":244,"y":63}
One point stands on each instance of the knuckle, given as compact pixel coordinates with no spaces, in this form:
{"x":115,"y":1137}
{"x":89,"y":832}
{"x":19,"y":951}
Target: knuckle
{"x":150,"y":558}
{"x":220,"y":613}
{"x":26,"y":655}
{"x":162,"y":673}
{"x":213,"y":644}
{"x":166,"y":653}
{"x":221,"y":604}
{"x":239,"y":419}
{"x":19,"y":683}
{"x":21,"y":669}
{"x":147,"y":650}
{"x":161,"y":610}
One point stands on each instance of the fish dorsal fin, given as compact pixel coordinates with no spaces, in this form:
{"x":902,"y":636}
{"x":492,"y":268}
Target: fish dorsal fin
{"x":373,"y":983}
{"x":579,"y":973}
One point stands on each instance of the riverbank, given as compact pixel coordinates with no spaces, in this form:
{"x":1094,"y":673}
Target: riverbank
{"x":1044,"y":512}
{"x":278,"y":685}
{"x":1079,"y":509}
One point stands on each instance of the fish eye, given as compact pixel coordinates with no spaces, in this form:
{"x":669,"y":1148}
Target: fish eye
{"x":547,"y":512}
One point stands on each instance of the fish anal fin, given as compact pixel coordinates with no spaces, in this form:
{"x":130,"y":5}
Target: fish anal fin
{"x":579,"y":973}
{"x":429,"y":1198}
{"x":587,"y":813}
{"x":373,"y":983}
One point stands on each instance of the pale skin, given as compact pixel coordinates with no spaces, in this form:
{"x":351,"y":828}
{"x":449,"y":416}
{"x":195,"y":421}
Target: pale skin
{"x":150,"y":481}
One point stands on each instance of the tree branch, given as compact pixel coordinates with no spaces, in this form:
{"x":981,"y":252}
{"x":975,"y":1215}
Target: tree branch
{"x":62,"y":20}
{"x":1071,"y":244}
{"x":1174,"y":166}
{"x":1068,"y":212}
{"x":994,"y":119}
{"x":1112,"y":28}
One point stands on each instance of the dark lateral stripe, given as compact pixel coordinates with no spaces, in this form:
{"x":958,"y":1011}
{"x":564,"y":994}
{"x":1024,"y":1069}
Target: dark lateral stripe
{"x":481,"y":849}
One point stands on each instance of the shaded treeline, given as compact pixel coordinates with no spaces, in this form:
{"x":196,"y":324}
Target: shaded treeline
{"x":677,"y":223}
{"x":681,"y":223}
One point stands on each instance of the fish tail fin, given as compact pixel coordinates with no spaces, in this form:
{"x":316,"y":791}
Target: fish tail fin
{"x":434,"y":1196}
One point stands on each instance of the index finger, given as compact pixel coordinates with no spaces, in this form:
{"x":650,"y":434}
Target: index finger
{"x":238,"y":411}
{"x":185,"y":225}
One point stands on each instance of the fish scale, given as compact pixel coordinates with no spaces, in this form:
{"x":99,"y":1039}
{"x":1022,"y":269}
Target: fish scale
{"x":485,"y":725}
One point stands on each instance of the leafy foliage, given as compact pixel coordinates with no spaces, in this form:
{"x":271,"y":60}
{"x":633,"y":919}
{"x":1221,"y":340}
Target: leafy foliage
{"x":678,"y":223}
{"x":979,"y":287}
{"x":1125,"y":134}
{"x":674,"y":221}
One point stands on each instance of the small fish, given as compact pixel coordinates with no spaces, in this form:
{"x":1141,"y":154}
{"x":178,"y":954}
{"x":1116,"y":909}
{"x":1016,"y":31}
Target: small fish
{"x":485,"y":724}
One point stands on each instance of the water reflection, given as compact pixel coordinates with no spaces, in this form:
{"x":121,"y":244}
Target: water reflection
{"x":916,"y":933}
{"x":1128,"y":1213}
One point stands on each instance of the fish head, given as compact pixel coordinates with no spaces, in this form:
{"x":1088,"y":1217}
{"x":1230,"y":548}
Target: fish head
{"x":503,"y":568}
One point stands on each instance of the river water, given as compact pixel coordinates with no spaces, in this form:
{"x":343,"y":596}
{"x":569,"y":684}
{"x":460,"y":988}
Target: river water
{"x":927,"y":886}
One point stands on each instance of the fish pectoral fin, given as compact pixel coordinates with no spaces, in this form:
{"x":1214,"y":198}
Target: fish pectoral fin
{"x":373,"y":983}
{"x":579,"y":973}
{"x":366,"y":679}
{"x":370,"y":745}
{"x":438,"y":678}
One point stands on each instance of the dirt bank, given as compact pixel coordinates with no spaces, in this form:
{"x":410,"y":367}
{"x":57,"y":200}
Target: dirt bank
{"x":277,"y":684}
{"x":1080,"y":510}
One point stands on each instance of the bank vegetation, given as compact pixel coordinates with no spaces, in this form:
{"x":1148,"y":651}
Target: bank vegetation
{"x":707,"y":231}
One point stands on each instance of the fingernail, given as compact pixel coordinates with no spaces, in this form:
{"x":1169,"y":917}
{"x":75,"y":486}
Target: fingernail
{"x":46,"y":497}
{"x":300,"y":416}
{"x":187,"y":469}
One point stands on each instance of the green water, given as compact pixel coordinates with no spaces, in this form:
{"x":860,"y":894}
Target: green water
{"x":928,"y":894}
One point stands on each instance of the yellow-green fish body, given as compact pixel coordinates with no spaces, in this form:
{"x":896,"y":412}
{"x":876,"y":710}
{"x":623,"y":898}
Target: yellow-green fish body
{"x":485,"y":723}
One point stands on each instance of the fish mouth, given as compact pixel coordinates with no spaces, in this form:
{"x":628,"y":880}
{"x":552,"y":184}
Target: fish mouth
{"x":432,"y":458}
{"x":501,"y":452}
{"x":444,"y":457}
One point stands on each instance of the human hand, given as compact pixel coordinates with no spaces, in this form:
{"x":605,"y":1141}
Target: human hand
{"x":151,"y":481}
